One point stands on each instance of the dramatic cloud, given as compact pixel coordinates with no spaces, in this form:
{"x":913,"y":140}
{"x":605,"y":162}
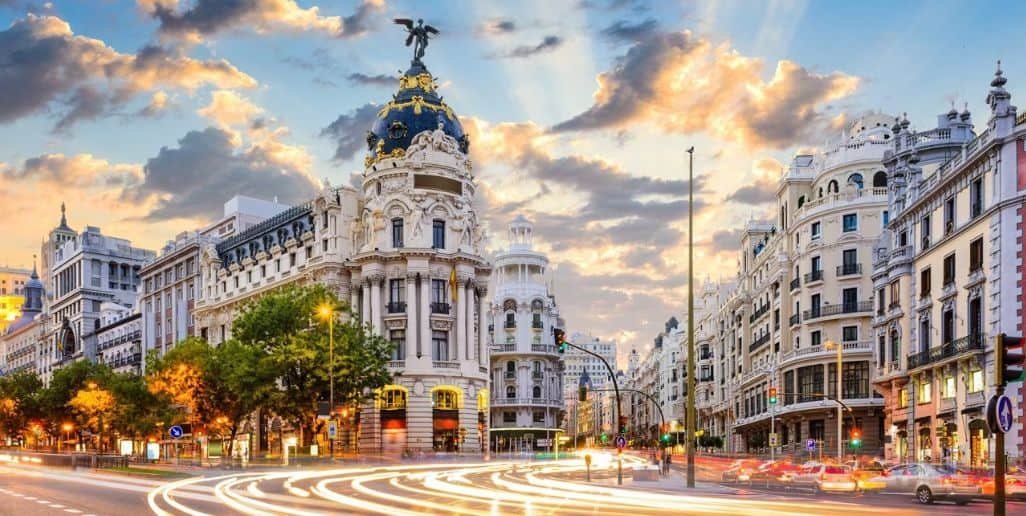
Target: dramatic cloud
{"x":602,"y":208}
{"x":624,"y":31}
{"x":725,"y":241}
{"x":227,"y":108}
{"x":194,"y":179}
{"x":207,"y":17}
{"x":350,"y":131}
{"x":78,"y":171}
{"x":497,"y":26}
{"x":686,"y":84}
{"x":159,"y":103}
{"x":372,"y":80}
{"x":41,"y":62}
{"x":763,"y":188}
{"x":548,"y":44}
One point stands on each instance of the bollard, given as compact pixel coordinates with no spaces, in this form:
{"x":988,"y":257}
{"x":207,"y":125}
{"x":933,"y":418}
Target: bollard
{"x":587,"y":467}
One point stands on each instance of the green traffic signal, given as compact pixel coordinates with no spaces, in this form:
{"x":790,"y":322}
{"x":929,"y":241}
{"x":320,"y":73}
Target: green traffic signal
{"x":665,"y":438}
{"x":604,"y":437}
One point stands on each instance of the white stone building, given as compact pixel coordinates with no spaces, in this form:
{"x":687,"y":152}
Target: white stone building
{"x":526,"y":369}
{"x":582,"y":423}
{"x":118,"y":340}
{"x":406,"y":250}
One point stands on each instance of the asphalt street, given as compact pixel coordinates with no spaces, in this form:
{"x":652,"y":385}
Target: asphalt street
{"x":498,"y":487}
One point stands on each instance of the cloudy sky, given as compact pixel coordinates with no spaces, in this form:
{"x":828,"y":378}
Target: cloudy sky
{"x":145,"y":115}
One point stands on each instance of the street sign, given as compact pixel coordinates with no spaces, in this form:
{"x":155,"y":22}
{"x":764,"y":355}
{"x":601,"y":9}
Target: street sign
{"x":773,"y":439}
{"x":810,"y":444}
{"x":332,"y":430}
{"x":999,"y":414}
{"x":621,"y":442}
{"x":175,"y":432}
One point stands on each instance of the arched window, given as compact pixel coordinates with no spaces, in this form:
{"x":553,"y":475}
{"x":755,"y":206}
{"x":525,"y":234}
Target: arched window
{"x":511,"y":392}
{"x":801,"y":202}
{"x":446,"y":397}
{"x":393,"y":397}
{"x":856,"y":179}
{"x":880,"y":179}
{"x":821,"y":192}
{"x":511,"y":320}
{"x":832,"y":186}
{"x":536,"y":392}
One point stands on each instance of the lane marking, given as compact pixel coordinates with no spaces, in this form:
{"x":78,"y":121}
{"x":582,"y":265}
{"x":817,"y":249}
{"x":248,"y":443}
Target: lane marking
{"x":73,"y":511}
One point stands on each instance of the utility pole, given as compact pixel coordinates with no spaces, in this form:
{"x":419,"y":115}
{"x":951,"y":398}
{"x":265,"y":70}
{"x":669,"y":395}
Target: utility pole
{"x":691,"y":319}
{"x":561,"y":344}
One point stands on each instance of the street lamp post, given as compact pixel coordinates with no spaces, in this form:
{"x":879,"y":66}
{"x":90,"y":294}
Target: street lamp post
{"x":66,"y":427}
{"x":328,"y":312}
{"x":840,"y":396}
{"x":691,"y":320}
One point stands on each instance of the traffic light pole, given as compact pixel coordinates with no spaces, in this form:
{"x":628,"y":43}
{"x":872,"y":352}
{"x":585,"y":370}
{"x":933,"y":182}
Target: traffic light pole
{"x":616,"y":389}
{"x":662,"y":418}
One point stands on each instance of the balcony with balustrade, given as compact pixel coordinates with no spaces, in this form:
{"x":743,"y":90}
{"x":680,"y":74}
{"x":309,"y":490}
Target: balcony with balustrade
{"x":857,"y":307}
{"x":946,"y":352}
{"x":851,"y":349}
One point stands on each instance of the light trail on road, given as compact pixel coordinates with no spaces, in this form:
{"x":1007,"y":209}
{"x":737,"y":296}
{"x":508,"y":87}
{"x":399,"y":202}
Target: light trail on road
{"x":479,"y":489}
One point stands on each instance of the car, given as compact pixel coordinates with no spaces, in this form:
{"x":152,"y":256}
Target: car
{"x":1015,"y":486}
{"x":825,"y":478}
{"x":929,"y":482}
{"x":774,"y":472}
{"x":740,"y":470}
{"x":866,"y":475}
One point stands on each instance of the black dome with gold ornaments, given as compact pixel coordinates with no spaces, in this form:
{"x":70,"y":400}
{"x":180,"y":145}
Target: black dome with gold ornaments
{"x":414,"y":109}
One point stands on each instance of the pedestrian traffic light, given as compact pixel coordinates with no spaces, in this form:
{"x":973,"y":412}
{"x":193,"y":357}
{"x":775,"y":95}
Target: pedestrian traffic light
{"x":856,"y":438}
{"x":582,"y":393}
{"x":772,"y":395}
{"x":623,"y":424}
{"x":559,"y":338}
{"x":1010,"y":356}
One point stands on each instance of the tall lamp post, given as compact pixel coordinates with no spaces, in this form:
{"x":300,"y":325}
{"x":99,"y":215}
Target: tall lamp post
{"x":327,"y":311}
{"x":691,"y":320}
{"x":67,"y":428}
{"x":840,"y":396}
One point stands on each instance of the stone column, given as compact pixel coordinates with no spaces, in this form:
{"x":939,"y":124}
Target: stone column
{"x":375,"y":300}
{"x":469,"y":319}
{"x":460,"y":319}
{"x":411,"y":315}
{"x":482,"y":327}
{"x":365,"y":314}
{"x":424,"y":342}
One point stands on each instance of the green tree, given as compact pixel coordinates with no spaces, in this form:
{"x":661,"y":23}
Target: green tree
{"x":179,"y":377}
{"x":64,"y":385}
{"x":19,"y":401}
{"x":283,"y":324}
{"x":238,"y":380}
{"x":137,"y":410}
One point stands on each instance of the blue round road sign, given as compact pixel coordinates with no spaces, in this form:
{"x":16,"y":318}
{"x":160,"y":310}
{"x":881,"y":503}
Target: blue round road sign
{"x":1004,"y":415}
{"x":175,"y":432}
{"x":621,"y":441}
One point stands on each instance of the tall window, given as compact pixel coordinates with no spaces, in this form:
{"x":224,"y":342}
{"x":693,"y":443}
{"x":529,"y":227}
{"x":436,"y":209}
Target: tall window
{"x":536,"y":392}
{"x":816,"y":264}
{"x":895,"y":346}
{"x":816,"y":337}
{"x":976,"y":198}
{"x":810,"y":382}
{"x":816,"y":230}
{"x":924,"y":334}
{"x":947,"y":326}
{"x":438,"y":291}
{"x":850,"y":333}
{"x":397,"y":232}
{"x":976,"y":255}
{"x":924,"y":227}
{"x":511,"y":392}
{"x":440,"y":345}
{"x":881,"y":351}
{"x":850,"y":222}
{"x":924,"y":283}
{"x":850,"y":300}
{"x":396,"y":291}
{"x":817,"y":429}
{"x":398,"y":340}
{"x":949,"y":215}
{"x":438,"y":234}
{"x":949,"y":269}
{"x":855,"y":380}
{"x":849,"y":261}
{"x":815,"y":302}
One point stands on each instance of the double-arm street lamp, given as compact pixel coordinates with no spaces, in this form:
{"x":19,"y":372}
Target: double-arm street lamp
{"x":327,"y":311}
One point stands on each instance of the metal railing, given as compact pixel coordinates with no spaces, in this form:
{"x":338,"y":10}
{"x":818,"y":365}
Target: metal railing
{"x":794,"y":320}
{"x":946,"y":350}
{"x":795,"y":283}
{"x":848,"y":269}
{"x":843,"y":308}
{"x":396,"y":307}
{"x":814,"y":276}
{"x":441,"y":308}
{"x":445,"y":364}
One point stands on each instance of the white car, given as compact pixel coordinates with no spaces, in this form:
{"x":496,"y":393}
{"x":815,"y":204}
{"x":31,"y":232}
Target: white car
{"x":825,"y":478}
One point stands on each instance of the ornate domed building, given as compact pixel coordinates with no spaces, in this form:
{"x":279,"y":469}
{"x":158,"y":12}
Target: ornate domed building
{"x":418,"y":276}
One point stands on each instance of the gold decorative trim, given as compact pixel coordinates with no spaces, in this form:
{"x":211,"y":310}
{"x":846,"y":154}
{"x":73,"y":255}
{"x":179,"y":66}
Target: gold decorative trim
{"x":374,"y":158}
{"x":423,"y":81}
{"x":419,"y":104}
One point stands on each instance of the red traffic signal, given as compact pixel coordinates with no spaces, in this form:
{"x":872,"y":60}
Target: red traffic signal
{"x":772,"y":395}
{"x":1010,"y":355}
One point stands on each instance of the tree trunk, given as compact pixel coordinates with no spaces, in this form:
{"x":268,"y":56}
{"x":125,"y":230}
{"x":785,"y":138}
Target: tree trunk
{"x":231,"y":440}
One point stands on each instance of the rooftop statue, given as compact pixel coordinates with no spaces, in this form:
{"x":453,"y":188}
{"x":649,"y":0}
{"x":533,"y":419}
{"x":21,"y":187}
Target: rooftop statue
{"x":418,"y":36}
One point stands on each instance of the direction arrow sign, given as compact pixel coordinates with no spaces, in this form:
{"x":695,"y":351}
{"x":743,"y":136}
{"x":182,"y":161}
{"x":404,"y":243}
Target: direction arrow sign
{"x":621,"y":442}
{"x":175,"y":432}
{"x":332,"y":430}
{"x":999,"y":414}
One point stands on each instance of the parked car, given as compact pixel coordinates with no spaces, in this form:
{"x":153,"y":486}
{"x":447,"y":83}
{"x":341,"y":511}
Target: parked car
{"x":740,"y":470}
{"x":929,"y":482}
{"x":825,"y":478}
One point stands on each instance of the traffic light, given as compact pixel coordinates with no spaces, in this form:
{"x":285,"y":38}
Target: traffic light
{"x":559,"y":339}
{"x":605,"y":437}
{"x":1010,"y":356}
{"x":665,"y":438}
{"x":856,"y":438}
{"x":582,"y":393}
{"x":623,"y":424}
{"x":772,"y":395}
